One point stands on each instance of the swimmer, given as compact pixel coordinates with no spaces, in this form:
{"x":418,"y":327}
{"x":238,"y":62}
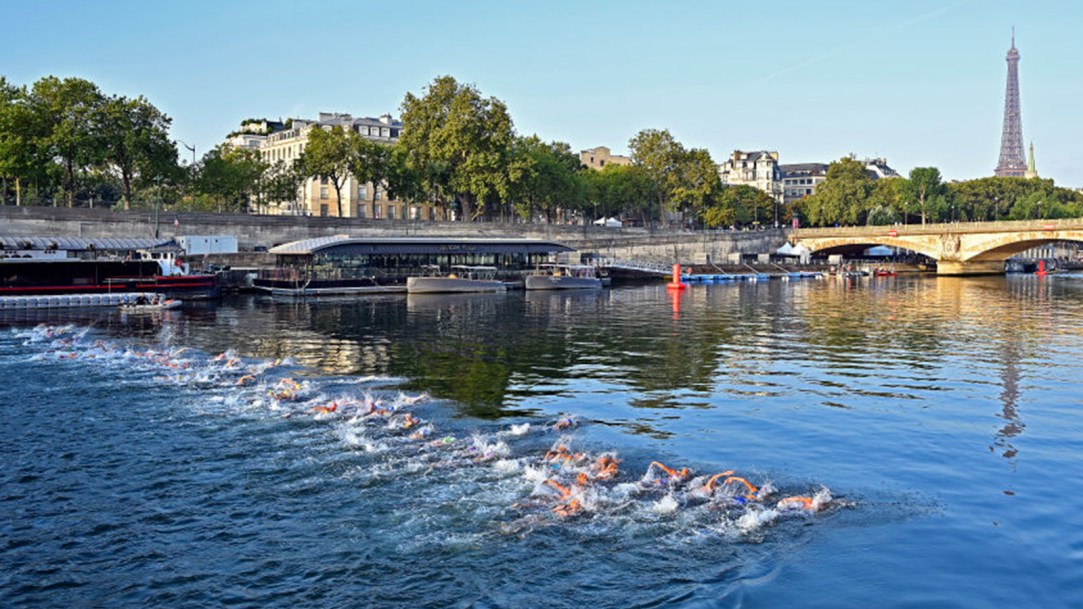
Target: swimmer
{"x":606,"y":468}
{"x":373,"y":410}
{"x":752,"y":490}
{"x":564,"y":491}
{"x":409,"y":421}
{"x":571,"y":508}
{"x":411,"y":400}
{"x":246,"y":379}
{"x":564,"y":423}
{"x":708,"y":487}
{"x":674,"y":475}
{"x":561,"y":453}
{"x":325,"y":409}
{"x":790,"y":503}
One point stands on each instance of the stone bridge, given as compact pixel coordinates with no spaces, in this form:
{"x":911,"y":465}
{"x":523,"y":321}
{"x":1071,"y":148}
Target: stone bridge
{"x":961,"y":248}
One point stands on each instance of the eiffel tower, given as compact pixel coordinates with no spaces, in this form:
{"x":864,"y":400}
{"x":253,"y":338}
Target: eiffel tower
{"x":1013,"y":161}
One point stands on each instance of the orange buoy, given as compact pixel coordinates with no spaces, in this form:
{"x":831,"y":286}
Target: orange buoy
{"x":676,"y":283}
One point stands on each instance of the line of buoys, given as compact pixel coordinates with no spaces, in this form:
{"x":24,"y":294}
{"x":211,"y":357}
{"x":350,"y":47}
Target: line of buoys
{"x":76,"y":300}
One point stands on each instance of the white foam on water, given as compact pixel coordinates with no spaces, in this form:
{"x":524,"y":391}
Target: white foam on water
{"x":665,"y":505}
{"x":754,"y":518}
{"x":507,"y":466}
{"x":518,"y":430}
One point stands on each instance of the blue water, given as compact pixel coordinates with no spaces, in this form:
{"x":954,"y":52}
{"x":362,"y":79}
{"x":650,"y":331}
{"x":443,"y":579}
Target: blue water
{"x":146,"y":461}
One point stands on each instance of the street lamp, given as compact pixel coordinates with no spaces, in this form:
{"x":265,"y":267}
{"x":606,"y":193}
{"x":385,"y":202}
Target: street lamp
{"x":190,"y":148}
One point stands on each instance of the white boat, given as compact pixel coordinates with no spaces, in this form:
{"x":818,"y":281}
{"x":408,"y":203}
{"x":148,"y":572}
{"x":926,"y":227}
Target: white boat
{"x":564,"y":277}
{"x":461,"y":279}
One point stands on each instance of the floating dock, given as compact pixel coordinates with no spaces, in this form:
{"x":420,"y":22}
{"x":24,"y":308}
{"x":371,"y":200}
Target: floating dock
{"x":67,"y":301}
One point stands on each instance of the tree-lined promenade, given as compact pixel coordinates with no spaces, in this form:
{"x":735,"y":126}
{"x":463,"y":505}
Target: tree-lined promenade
{"x":66,"y":142}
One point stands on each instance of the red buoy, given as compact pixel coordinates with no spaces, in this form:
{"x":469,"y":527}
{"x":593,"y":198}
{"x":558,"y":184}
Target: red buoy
{"x":676,"y":283}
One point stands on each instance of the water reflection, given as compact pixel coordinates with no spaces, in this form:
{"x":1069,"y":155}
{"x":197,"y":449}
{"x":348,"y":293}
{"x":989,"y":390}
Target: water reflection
{"x":642,"y":354}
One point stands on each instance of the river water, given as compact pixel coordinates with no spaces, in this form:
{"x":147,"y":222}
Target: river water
{"x":191,"y":458}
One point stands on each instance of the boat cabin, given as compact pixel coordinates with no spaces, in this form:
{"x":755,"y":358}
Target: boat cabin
{"x":341,"y":261}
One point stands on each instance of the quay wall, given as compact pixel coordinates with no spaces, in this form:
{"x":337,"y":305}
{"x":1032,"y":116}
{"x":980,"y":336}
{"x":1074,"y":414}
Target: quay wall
{"x":659,"y":245}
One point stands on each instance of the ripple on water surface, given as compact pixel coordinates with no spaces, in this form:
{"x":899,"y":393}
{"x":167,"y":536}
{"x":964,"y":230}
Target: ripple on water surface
{"x":188,"y":479}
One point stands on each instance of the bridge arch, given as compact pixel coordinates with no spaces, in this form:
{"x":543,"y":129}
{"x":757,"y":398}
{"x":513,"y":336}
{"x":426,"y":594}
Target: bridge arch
{"x":958,"y":248}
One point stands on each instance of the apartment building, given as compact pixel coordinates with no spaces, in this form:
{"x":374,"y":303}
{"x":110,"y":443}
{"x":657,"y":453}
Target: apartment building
{"x":598,"y":158}
{"x":285,"y":141}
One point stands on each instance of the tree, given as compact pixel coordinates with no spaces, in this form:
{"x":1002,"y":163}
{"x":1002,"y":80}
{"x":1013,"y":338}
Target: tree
{"x":282,"y":181}
{"x":21,"y":136}
{"x":886,"y":201}
{"x":657,"y":154}
{"x":740,"y":204}
{"x":327,"y":156}
{"x":617,"y":189}
{"x":230,"y":176}
{"x":135,"y":142}
{"x":925,"y":184}
{"x":544,"y":177}
{"x":842,"y":197}
{"x":459,"y":143}
{"x":370,"y":161}
{"x":70,"y":109}
{"x":698,"y":186}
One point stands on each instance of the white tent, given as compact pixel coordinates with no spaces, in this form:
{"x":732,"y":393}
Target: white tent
{"x":785,"y":250}
{"x":610,"y":222}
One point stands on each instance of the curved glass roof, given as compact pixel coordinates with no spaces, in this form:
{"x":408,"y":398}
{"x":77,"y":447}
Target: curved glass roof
{"x":345,"y":245}
{"x":82,"y":243}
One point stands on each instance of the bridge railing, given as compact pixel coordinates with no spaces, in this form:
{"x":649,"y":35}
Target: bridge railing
{"x":940,"y":228}
{"x":635,"y":265}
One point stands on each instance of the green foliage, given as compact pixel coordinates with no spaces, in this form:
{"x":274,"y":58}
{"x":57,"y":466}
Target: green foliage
{"x":369,"y":161}
{"x":328,"y":155}
{"x":72,"y":108}
{"x":544,"y":178}
{"x":886,"y":201}
{"x":282,"y":181}
{"x":65,"y":136}
{"x":229,"y":177}
{"x":616,"y":190}
{"x":658,"y":155}
{"x":697,"y":186}
{"x":135,"y":142}
{"x":842,"y":197}
{"x":925,"y":187}
{"x":736,"y":205}
{"x":459,"y":144}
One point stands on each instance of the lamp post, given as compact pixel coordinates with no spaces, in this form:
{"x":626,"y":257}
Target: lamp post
{"x":192,"y":149}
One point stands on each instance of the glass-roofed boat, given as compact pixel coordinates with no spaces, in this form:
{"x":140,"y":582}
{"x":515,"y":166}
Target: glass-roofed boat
{"x":340,"y":264}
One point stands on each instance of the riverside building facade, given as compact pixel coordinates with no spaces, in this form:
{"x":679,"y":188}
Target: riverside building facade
{"x":277,"y":141}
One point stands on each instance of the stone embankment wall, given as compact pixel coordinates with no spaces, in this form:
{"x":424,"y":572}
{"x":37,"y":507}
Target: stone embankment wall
{"x":266,"y":231}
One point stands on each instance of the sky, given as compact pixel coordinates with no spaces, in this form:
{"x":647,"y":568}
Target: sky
{"x":918,"y":82}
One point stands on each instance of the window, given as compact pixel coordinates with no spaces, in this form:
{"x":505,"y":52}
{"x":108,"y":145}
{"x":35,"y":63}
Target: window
{"x":362,"y":192}
{"x":323,"y":192}
{"x":323,"y":210}
{"x":390,"y":212}
{"x":405,"y":213}
{"x":361,"y":210}
{"x":376,"y":193}
{"x":375,"y":211}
